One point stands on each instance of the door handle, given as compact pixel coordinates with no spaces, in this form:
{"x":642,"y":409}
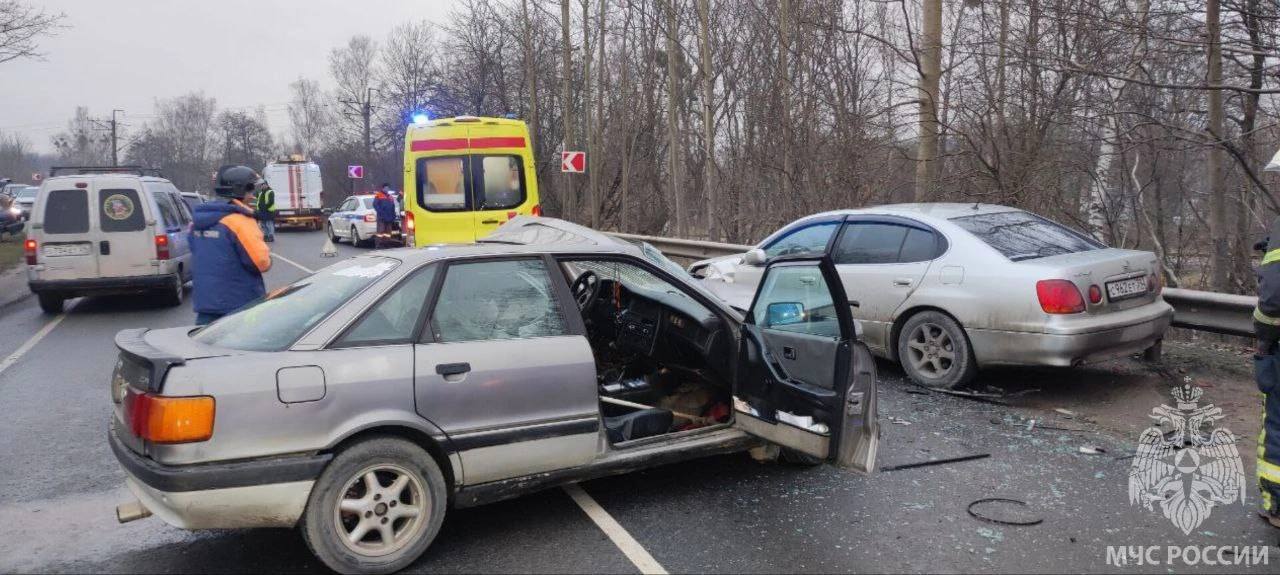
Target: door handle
{"x":788,"y":352}
{"x":902,"y":281}
{"x":855,"y":303}
{"x":104,"y":247}
{"x":489,"y":221}
{"x":447,"y":369}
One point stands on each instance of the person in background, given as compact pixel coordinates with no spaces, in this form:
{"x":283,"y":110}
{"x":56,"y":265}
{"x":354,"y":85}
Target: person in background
{"x":1266,"y":365}
{"x":227,"y":249}
{"x":384,"y":205}
{"x":265,"y":211}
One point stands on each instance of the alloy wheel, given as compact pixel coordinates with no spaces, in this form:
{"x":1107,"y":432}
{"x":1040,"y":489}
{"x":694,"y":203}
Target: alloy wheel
{"x":931,"y":351}
{"x":382,"y":509}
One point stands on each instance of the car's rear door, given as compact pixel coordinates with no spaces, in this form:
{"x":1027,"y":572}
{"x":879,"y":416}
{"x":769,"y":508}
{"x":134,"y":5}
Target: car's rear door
{"x":125,"y":247}
{"x":803,"y":382}
{"x":881,"y":262}
{"x":504,"y":368}
{"x":64,"y":233}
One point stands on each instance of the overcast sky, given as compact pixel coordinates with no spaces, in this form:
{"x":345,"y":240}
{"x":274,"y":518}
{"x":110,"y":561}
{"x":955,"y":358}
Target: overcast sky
{"x":127,"y":53}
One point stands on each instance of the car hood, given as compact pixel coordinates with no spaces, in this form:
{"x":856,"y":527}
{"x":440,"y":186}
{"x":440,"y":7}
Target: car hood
{"x":738,"y":296}
{"x":721,"y":267}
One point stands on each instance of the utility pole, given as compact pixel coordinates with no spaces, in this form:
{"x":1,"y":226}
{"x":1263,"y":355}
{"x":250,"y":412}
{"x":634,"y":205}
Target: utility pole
{"x":367,"y":113}
{"x":115,"y":140}
{"x":930,"y":58}
{"x":1217,"y":185}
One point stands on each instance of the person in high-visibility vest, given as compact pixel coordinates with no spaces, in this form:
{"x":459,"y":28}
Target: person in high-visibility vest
{"x":1266,"y":326}
{"x":265,"y":211}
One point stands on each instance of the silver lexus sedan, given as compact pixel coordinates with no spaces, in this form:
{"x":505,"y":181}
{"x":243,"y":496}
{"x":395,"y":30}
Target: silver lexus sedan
{"x":945,"y":289}
{"x":359,"y":404}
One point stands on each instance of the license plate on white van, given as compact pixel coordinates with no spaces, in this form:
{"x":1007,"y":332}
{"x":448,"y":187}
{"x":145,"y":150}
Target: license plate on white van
{"x":54,"y":250}
{"x":1126,"y":288}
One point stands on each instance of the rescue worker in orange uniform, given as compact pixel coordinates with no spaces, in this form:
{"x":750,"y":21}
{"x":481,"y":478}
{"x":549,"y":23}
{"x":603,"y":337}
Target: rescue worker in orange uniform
{"x":228,"y":253}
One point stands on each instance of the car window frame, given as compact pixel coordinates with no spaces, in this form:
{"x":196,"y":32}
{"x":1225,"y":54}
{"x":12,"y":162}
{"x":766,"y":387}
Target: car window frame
{"x":336,"y":342}
{"x":717,"y":306}
{"x":941,"y":241}
{"x":574,"y":326}
{"x":796,"y":227}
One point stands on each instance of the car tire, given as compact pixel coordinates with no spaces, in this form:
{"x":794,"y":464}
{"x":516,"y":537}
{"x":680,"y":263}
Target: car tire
{"x":50,"y":303}
{"x":328,"y":229}
{"x":935,"y":352}
{"x":326,"y":527}
{"x":171,"y":296}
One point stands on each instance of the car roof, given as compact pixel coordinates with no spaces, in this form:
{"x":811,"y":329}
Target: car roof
{"x":521,"y":236}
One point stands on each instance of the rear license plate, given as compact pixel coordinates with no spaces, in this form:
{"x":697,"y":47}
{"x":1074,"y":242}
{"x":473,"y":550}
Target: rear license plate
{"x":1122,"y":289}
{"x":55,"y":250}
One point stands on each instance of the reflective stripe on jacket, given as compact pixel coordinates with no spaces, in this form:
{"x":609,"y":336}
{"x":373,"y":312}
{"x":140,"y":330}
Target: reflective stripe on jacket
{"x":228,"y":257}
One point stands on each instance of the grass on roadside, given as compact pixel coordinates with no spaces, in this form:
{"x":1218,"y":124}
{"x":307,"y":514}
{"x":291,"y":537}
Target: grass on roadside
{"x":11,"y":251}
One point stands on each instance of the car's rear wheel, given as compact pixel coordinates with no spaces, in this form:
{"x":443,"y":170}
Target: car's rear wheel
{"x":50,"y":303}
{"x":171,"y":296}
{"x":376,"y":508}
{"x":935,"y":352}
{"x":355,"y":237}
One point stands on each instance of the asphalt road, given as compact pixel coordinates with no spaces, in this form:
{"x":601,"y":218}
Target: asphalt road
{"x":59,"y":485}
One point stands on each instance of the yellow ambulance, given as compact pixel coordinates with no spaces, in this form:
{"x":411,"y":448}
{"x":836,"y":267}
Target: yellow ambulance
{"x":464,"y":177}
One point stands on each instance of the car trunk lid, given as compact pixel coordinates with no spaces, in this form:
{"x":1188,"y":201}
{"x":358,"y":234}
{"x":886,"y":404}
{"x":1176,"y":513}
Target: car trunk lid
{"x":146,"y":356}
{"x":1121,"y":276}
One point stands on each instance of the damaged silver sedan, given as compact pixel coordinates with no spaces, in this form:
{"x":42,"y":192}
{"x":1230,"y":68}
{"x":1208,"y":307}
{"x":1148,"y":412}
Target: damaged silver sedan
{"x":361,"y":403}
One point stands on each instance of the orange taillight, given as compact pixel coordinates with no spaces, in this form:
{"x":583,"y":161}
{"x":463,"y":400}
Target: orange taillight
{"x":537,"y":210}
{"x":161,"y":419}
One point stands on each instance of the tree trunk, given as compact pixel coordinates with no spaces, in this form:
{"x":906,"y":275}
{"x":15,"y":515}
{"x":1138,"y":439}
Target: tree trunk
{"x":568,"y":196}
{"x":597,"y":136}
{"x":930,"y":58}
{"x":708,"y":131}
{"x":673,"y":119}
{"x":1218,"y":264}
{"x":531,"y":77}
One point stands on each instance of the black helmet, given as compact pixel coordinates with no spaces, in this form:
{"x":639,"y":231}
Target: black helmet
{"x":235,"y":181}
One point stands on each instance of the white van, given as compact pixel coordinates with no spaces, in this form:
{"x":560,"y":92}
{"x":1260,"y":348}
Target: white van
{"x":102,"y":231}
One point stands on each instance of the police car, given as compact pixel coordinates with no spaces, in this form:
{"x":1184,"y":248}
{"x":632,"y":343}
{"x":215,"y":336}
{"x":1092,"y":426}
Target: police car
{"x":354,"y":221}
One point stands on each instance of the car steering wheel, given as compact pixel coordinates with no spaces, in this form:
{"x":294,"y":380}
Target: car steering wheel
{"x":585,"y":289}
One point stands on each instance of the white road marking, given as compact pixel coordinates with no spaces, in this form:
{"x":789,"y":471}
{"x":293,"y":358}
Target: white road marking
{"x":293,"y":263}
{"x":625,"y":542}
{"x":30,"y":343}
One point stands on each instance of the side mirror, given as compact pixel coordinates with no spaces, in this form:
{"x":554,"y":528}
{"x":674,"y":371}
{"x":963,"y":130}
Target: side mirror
{"x":327,"y":211}
{"x":783,"y":313}
{"x":754,"y":257}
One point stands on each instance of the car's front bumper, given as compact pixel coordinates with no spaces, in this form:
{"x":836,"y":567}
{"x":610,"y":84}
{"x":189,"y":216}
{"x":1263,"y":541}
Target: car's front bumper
{"x":996,"y":347}
{"x":259,"y":493}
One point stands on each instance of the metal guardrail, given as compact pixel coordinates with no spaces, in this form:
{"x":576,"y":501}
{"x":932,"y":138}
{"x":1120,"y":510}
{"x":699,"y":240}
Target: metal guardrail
{"x":1213,"y":312}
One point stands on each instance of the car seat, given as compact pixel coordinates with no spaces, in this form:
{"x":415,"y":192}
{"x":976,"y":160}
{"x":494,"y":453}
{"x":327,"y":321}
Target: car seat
{"x":638,"y":424}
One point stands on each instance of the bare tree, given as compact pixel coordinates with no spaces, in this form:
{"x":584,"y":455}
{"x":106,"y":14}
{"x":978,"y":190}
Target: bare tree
{"x":309,"y":115}
{"x":21,"y":27}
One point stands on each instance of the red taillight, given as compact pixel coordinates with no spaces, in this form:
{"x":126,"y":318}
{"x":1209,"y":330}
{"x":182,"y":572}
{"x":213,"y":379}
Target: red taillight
{"x":162,"y":247}
{"x":29,"y":248}
{"x":1059,"y":297}
{"x":1095,"y":294}
{"x":512,"y":215}
{"x":537,"y":210}
{"x":161,"y":419}
{"x":408,"y":222}
{"x":370,"y":218}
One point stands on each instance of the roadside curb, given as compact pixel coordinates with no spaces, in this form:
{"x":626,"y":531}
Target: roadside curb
{"x":13,"y":285}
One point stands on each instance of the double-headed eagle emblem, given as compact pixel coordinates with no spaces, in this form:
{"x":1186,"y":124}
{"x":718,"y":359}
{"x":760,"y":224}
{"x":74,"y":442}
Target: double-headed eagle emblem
{"x":1183,"y":468}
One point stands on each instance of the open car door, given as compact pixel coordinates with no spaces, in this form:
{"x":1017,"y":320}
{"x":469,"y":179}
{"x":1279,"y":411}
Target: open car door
{"x":803,"y":382}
